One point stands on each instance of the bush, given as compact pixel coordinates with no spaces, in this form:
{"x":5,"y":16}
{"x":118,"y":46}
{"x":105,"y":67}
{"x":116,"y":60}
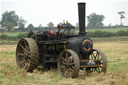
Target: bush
{"x":122,"y":33}
{"x":100,"y":34}
{"x":3,"y":36}
{"x":89,"y":34}
{"x":19,"y":36}
{"x":107,"y":34}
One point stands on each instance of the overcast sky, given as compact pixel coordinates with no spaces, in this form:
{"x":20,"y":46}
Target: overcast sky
{"x":45,"y":11}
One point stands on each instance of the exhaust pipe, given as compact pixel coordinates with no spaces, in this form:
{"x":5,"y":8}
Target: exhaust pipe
{"x":81,"y":11}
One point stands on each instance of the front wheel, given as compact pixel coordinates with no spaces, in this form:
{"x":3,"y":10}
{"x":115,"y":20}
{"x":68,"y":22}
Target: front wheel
{"x":69,"y":64}
{"x":98,"y":55}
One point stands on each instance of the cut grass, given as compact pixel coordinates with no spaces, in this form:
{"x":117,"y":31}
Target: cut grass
{"x":117,"y":72}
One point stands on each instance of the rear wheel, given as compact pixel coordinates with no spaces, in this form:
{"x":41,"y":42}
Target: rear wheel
{"x":69,"y":64}
{"x":27,"y":56}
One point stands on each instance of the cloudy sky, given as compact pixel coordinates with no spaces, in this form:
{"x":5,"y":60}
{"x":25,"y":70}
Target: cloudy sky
{"x":45,"y":11}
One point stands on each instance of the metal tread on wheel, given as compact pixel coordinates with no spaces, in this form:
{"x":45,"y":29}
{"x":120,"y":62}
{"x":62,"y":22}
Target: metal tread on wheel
{"x":27,"y":55}
{"x":69,"y":64}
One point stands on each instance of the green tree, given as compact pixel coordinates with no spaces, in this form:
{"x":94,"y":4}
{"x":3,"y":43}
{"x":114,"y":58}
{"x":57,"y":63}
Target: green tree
{"x":9,"y":20}
{"x":22,"y":23}
{"x":95,"y":20}
{"x":9,"y":26}
{"x":121,"y":13}
{"x":50,"y":24}
{"x":30,"y":26}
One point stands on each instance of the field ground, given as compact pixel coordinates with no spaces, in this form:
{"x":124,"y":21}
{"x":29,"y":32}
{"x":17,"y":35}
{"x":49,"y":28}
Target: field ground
{"x":117,"y":72}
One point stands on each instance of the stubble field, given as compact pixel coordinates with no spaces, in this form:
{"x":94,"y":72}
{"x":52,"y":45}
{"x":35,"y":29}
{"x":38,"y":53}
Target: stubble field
{"x":117,"y":72}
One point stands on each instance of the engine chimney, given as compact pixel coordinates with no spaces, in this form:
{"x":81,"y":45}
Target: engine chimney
{"x":81,"y":10}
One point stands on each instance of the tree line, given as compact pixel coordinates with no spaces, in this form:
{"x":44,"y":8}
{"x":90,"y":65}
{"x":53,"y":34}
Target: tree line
{"x":10,"y":20}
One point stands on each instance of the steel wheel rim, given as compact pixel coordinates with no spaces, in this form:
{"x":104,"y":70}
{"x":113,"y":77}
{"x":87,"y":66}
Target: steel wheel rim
{"x":68,"y":64}
{"x":98,"y":55}
{"x":23,"y":54}
{"x":66,"y":61}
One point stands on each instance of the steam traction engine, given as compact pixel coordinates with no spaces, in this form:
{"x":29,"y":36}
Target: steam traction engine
{"x":62,"y":49}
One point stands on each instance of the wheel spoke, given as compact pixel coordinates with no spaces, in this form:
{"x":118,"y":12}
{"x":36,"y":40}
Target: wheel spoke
{"x":25,"y":66}
{"x":98,"y":70}
{"x":25,"y":44}
{"x":92,"y":56}
{"x":65,"y":73}
{"x":20,"y":54}
{"x":97,"y":55}
{"x":23,"y":61}
{"x":29,"y":61}
{"x":29,"y":52}
{"x":28,"y":56}
{"x":24,"y":50}
{"x":71,"y":64}
{"x":94,"y":69}
{"x":90,"y":69}
{"x":63,"y":59}
{"x":22,"y":47}
{"x":66,"y":55}
{"x":70,"y":59}
{"x":101,"y":69}
{"x":63,"y":62}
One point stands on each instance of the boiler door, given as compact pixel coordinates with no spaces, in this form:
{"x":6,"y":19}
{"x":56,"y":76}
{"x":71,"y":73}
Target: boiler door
{"x":86,"y":46}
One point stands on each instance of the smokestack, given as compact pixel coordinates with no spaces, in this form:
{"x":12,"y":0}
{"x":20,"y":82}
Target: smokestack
{"x":81,"y":10}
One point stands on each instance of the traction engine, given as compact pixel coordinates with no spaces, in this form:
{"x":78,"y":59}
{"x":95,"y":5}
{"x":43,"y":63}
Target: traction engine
{"x":64,"y":49}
